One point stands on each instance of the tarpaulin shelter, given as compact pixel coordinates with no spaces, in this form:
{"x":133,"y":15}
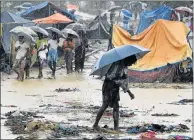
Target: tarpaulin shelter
{"x":53,"y":19}
{"x":147,"y":18}
{"x":45,"y":9}
{"x":9,"y":21}
{"x":99,"y":28}
{"x":167,"y":41}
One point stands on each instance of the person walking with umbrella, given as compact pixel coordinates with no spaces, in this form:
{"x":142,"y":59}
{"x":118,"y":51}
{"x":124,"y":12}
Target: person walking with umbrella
{"x":52,"y":53}
{"x":68,"y":54}
{"x":113,"y":64}
{"x":42,"y":46}
{"x":115,"y":78}
{"x":22,"y":49}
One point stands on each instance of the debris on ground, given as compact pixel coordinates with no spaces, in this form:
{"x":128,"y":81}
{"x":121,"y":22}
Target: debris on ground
{"x":8,"y":105}
{"x":64,"y":131}
{"x":179,"y":137}
{"x":157,"y":128}
{"x":11,"y":91}
{"x":123,"y":113}
{"x":66,"y":90}
{"x":40,"y":125}
{"x":50,"y":105}
{"x":127,"y":114}
{"x":165,"y":115}
{"x":151,"y":135}
{"x":99,"y":137}
{"x":33,"y":95}
{"x":21,"y":122}
{"x":188,"y":120}
{"x":182,"y":102}
{"x":50,"y":96}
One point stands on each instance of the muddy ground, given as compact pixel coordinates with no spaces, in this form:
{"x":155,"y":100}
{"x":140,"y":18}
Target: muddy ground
{"x":74,"y":100}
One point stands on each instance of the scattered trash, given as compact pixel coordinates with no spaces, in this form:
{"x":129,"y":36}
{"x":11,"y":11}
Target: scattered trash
{"x":99,"y":137}
{"x":33,"y":95}
{"x":2,"y":118}
{"x":73,"y":119}
{"x":41,"y":125}
{"x":67,"y":90}
{"x":64,"y":131}
{"x":35,"y":116}
{"x":50,"y":105}
{"x":105,"y":126}
{"x":188,"y":120}
{"x":157,"y":128}
{"x":179,"y":137}
{"x":11,"y":91}
{"x":8,"y":105}
{"x":151,"y":135}
{"x":165,"y":115}
{"x":50,"y":96}
{"x":126,"y":114}
{"x":182,"y":102}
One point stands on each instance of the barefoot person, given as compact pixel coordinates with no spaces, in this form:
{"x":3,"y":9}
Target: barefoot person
{"x":68,"y":54}
{"x":115,"y":78}
{"x":22,"y":49}
{"x":52,"y":54}
{"x":41,"y":44}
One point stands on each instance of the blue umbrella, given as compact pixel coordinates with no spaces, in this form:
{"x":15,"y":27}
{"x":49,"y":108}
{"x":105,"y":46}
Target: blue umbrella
{"x":126,"y":13}
{"x":104,"y":62}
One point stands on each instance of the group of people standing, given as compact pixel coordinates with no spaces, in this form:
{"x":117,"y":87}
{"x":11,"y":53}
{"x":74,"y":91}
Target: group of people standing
{"x":47,"y":52}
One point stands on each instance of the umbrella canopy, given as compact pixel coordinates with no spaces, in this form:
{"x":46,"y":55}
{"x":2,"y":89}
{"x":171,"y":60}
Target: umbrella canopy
{"x":19,"y":29}
{"x":40,"y":30}
{"x":126,"y":13}
{"x":55,"y":18}
{"x":104,"y":62}
{"x":186,"y":9}
{"x":115,"y":8}
{"x":27,"y":37}
{"x":69,"y":31}
{"x":77,"y":27}
{"x":52,"y":29}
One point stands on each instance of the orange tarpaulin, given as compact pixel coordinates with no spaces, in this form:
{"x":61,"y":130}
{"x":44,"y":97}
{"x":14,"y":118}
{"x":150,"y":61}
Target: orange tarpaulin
{"x":56,"y":18}
{"x":166,"y":40}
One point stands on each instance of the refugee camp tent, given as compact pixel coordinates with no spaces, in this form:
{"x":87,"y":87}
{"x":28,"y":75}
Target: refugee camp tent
{"x":7,"y":17}
{"x":99,"y":28}
{"x":147,"y":18}
{"x":53,"y":19}
{"x":168,"y":47}
{"x":45,"y":9}
{"x":9,"y":21}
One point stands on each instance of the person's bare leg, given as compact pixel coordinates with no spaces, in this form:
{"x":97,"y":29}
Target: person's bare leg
{"x":99,"y":115}
{"x":40,"y":75}
{"x":116,"y":116}
{"x":17,"y":72}
{"x":54,"y":69}
{"x":22,"y":66}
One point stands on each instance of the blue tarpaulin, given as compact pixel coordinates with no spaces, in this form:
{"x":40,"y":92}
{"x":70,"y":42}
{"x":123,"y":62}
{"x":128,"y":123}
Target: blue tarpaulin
{"x":149,"y":17}
{"x":7,"y":17}
{"x":9,"y":21}
{"x":45,"y":9}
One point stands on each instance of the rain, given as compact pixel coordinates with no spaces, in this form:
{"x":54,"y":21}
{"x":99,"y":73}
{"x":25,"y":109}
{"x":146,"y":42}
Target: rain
{"x":78,"y":69}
